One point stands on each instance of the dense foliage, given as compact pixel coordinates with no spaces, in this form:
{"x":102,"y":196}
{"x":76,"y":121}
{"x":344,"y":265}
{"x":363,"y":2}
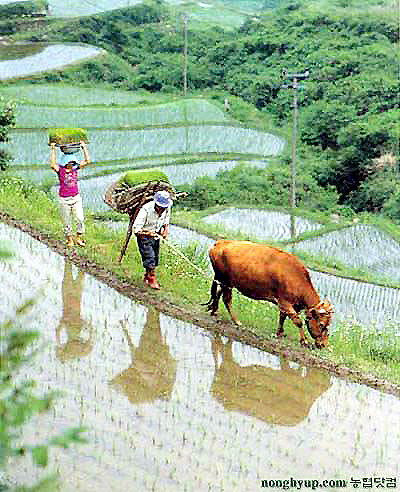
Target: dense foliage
{"x":25,"y":8}
{"x":7,"y":120}
{"x":348,"y":108}
{"x":245,"y":185}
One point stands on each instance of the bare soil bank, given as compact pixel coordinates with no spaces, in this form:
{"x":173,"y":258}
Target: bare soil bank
{"x":143,"y":295}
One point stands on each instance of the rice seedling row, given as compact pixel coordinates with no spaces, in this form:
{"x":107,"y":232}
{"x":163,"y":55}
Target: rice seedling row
{"x":44,"y":116}
{"x":194,"y":425}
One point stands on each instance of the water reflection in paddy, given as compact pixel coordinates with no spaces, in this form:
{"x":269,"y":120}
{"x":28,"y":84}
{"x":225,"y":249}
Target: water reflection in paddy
{"x":171,"y":409}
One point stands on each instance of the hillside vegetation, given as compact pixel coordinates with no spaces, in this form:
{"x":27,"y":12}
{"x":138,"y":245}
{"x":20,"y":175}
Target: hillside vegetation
{"x":348,"y":108}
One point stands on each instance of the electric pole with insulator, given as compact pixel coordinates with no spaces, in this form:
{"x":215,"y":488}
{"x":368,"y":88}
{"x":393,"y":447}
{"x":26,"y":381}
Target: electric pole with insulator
{"x":292,"y":83}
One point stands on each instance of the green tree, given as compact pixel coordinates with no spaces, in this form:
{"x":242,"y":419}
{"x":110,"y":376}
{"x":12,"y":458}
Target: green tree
{"x":7,"y":121}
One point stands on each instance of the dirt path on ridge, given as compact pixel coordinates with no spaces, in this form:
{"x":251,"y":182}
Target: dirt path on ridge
{"x":144,"y":295}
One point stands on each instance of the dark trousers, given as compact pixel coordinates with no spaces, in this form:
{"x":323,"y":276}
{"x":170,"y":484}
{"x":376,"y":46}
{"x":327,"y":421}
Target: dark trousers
{"x":149,"y":251}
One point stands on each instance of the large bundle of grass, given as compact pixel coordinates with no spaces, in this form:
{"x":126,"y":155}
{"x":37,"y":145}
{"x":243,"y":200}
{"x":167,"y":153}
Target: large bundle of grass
{"x":135,"y":188}
{"x":65,"y":136}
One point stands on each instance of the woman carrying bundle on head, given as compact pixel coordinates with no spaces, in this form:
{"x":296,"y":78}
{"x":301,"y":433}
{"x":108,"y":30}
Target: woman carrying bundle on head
{"x":70,"y":200}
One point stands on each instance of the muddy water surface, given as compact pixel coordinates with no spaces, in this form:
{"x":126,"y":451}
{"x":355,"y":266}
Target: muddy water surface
{"x":169,"y":408}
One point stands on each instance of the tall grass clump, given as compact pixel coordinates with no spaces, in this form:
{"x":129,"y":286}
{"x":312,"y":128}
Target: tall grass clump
{"x":376,"y":351}
{"x":25,"y":201}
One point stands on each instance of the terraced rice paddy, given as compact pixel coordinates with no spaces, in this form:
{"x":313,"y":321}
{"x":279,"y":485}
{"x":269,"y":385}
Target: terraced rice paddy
{"x":30,"y":147}
{"x":170,"y":408}
{"x":188,"y":111}
{"x":260,"y":223}
{"x":366,"y":303}
{"x":227,"y":14}
{"x":360,"y":246}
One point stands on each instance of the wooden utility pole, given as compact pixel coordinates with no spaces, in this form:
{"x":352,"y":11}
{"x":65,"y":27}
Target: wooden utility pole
{"x":185,"y":53}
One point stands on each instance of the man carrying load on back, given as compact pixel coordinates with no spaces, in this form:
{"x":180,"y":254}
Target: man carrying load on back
{"x":152,"y":222}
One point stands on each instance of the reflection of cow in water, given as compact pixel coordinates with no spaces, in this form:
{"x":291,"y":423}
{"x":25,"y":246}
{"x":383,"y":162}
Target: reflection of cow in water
{"x":152,"y":372}
{"x":78,"y":331}
{"x":277,"y":396}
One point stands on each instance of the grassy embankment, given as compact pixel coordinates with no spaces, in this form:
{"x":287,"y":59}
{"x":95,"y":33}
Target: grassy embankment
{"x":377,"y":354}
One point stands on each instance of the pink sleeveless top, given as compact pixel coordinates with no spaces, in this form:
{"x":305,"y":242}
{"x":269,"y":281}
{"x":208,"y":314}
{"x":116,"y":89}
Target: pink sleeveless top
{"x":68,"y":182}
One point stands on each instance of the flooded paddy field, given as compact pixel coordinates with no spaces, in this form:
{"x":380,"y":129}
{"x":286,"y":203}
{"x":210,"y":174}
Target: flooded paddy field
{"x":46,"y":57}
{"x":227,"y":14}
{"x":190,"y":110}
{"x":360,"y":246}
{"x":170,"y":407}
{"x":263,"y":224}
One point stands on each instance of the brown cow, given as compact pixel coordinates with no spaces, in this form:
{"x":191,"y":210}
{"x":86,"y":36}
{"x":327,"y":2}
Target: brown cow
{"x":265,"y":273}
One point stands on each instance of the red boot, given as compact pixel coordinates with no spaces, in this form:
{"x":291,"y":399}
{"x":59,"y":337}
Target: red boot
{"x":151,"y":279}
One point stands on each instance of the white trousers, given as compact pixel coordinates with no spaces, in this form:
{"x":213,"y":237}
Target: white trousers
{"x":71,"y":209}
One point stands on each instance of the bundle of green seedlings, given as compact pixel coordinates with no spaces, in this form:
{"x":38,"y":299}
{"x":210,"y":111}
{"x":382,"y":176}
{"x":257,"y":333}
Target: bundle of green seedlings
{"x":68,"y":138}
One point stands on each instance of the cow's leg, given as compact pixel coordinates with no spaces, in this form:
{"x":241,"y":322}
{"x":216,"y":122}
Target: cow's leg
{"x":282,"y":317}
{"x":227,"y":298}
{"x":216,"y":292}
{"x":287,"y":309}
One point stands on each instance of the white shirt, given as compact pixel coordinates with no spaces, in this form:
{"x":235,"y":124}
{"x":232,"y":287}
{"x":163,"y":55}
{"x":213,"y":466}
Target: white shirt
{"x":149,"y":220}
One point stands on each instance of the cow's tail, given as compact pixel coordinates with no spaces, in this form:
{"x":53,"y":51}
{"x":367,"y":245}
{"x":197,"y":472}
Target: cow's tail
{"x":216,"y":290}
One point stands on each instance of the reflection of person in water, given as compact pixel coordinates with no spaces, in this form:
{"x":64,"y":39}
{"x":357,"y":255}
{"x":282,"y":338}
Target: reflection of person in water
{"x":78,"y":331}
{"x":152,"y":372}
{"x":282,"y":397}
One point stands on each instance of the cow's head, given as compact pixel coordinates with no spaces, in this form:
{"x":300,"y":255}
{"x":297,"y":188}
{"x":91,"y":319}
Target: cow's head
{"x":318,"y":319}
